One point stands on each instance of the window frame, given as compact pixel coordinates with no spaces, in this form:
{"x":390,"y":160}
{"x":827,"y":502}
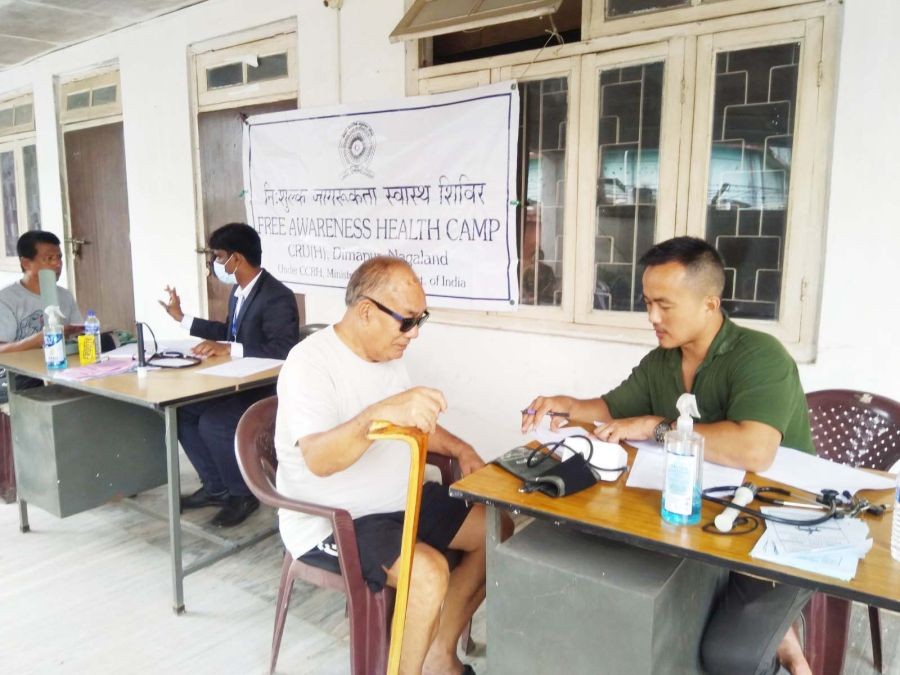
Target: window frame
{"x":107,"y":112}
{"x":819,"y":24}
{"x":15,"y":143}
{"x":247,"y":93}
{"x":595,"y":24}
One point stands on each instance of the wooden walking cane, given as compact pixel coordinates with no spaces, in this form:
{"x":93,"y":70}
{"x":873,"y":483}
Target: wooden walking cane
{"x":418,"y":446}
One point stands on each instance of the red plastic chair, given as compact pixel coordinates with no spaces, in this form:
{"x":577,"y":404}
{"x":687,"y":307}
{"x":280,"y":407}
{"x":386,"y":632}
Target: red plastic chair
{"x":369,"y":612}
{"x":859,"y":429}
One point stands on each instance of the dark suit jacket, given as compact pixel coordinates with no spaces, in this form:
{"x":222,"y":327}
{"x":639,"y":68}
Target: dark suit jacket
{"x":268,"y":324}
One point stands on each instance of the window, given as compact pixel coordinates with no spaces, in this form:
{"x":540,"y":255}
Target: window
{"x":613,"y":17}
{"x":712,"y":132}
{"x":433,"y":17}
{"x":253,"y":72}
{"x":20,"y":207}
{"x":90,"y":98}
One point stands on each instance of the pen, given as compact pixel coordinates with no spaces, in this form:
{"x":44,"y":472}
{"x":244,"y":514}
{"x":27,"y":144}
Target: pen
{"x":551,"y":413}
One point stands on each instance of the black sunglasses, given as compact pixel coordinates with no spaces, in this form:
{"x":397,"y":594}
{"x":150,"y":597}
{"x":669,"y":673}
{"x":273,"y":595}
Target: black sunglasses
{"x":407,"y":323}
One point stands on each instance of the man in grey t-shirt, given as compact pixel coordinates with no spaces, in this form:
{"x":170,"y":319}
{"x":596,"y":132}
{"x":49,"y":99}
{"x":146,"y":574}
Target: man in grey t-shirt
{"x":21,"y":308}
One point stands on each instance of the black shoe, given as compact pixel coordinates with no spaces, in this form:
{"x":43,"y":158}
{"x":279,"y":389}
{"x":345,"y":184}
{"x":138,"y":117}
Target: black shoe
{"x":235,"y":511}
{"x":203,"y":498}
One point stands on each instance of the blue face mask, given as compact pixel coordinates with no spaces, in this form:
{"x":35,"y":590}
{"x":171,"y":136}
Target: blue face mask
{"x":222,"y":275}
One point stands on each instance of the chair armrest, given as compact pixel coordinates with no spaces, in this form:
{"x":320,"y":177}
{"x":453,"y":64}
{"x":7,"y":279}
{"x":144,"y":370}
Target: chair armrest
{"x":450,"y":471}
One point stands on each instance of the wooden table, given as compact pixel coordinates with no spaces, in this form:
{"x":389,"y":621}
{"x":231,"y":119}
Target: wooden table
{"x":162,"y":390}
{"x":632,"y":515}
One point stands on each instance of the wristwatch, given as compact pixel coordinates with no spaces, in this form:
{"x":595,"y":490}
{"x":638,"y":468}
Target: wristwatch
{"x":659,"y":433}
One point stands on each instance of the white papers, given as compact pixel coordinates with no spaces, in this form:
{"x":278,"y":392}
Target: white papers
{"x":242,"y":367}
{"x":813,"y":474}
{"x":603,"y":455}
{"x":543,"y":434}
{"x":649,"y":467}
{"x":832,"y":548}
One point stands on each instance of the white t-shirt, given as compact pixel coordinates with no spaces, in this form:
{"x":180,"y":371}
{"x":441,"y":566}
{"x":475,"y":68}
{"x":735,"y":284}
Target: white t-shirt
{"x":322,"y":385}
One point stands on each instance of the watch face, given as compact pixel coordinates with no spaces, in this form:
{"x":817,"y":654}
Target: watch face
{"x":660,"y":431}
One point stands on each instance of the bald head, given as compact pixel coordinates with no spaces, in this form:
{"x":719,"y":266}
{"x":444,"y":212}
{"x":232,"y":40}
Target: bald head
{"x":381,"y":274}
{"x":703,"y":265}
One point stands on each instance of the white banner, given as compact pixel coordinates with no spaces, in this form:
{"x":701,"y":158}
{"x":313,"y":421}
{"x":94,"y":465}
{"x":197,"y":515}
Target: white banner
{"x":429,"y":178}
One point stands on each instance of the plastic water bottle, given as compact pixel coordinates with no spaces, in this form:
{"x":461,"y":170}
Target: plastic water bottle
{"x":895,"y":532}
{"x":54,"y":343}
{"x":92,"y":327}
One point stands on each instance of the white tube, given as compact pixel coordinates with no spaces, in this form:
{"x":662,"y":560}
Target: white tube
{"x":725,"y":520}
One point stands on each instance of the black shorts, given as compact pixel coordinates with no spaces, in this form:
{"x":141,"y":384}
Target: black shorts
{"x":379,"y":535}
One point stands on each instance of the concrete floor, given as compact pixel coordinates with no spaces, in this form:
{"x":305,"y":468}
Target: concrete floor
{"x":91,"y":594}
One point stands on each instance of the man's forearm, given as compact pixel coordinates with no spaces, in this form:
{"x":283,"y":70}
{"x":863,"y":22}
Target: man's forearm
{"x":32,"y":342}
{"x":589,"y":410}
{"x":445,"y":443}
{"x":334,"y":450}
{"x":746,"y":445}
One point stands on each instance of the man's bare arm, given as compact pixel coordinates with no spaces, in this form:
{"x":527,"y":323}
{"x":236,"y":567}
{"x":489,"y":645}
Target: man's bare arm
{"x":32,"y":342}
{"x":445,"y":443}
{"x":746,"y":445}
{"x":334,"y":450}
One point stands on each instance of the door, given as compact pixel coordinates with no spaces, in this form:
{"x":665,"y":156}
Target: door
{"x":222,"y":181}
{"x":99,"y":247}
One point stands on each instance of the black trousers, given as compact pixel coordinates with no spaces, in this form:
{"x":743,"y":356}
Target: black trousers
{"x":206,"y":432}
{"x":747,"y":625}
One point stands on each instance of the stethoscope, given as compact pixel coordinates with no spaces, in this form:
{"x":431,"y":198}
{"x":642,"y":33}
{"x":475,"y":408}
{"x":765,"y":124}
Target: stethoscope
{"x":833,"y":503}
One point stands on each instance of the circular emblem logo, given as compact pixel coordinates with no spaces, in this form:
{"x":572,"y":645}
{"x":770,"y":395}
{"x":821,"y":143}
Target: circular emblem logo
{"x":356,"y":148}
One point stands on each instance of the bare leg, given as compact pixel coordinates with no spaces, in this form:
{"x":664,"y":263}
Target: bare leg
{"x":790,"y":654}
{"x":427,"y":588}
{"x":465,"y":592}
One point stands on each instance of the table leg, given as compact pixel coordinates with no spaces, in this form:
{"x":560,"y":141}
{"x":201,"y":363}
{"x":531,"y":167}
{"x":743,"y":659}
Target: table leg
{"x":23,"y":516}
{"x":174,"y":477}
{"x":11,"y":388}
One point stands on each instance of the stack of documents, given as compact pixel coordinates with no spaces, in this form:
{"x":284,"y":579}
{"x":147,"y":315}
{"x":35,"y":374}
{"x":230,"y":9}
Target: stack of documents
{"x":832,"y":548}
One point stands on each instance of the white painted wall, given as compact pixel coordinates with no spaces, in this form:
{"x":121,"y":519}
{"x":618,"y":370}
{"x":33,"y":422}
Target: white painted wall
{"x":487,"y":375}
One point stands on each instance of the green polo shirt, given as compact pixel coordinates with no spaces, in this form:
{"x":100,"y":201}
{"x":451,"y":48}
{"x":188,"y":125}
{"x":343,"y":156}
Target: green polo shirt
{"x":746,"y":375}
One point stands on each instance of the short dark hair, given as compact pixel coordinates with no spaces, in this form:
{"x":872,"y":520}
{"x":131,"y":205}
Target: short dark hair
{"x":238,"y":238}
{"x":698,"y":256}
{"x":26,"y":247}
{"x":371,"y":276}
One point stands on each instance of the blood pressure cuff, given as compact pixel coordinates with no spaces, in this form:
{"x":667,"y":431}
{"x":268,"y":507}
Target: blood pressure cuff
{"x":556,"y":480}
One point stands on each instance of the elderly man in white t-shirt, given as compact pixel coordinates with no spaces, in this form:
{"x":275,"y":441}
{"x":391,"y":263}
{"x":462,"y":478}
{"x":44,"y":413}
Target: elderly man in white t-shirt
{"x":331,"y":387}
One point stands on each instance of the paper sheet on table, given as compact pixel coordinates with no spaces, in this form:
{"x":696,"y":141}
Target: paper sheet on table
{"x":832,"y":548}
{"x":242,"y":367}
{"x":649,"y":467}
{"x":129,"y":351}
{"x":92,"y":371}
{"x":813,"y":474}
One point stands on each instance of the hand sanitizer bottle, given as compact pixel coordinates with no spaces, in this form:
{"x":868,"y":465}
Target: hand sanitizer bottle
{"x":54,"y":343}
{"x":684,"y":467}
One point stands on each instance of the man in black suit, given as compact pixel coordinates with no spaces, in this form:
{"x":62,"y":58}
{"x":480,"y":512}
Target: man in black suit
{"x":262,"y":321}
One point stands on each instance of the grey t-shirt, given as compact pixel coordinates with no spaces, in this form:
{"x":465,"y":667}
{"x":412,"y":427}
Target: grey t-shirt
{"x":22,"y":312}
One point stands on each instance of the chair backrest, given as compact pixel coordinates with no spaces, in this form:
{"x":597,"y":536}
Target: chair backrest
{"x":855,"y":428}
{"x":255,"y":446}
{"x":310,"y":328}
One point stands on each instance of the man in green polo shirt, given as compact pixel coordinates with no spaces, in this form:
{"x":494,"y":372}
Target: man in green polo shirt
{"x":750,"y":400}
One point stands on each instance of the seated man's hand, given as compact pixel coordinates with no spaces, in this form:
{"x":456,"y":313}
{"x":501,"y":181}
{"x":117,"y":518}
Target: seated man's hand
{"x":535,"y":411}
{"x":469,"y":460}
{"x":173,"y":304}
{"x":628,"y":429}
{"x":211,"y":348}
{"x":417,"y":407}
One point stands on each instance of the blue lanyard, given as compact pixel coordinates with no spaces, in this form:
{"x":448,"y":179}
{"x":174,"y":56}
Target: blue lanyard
{"x":234,"y":318}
